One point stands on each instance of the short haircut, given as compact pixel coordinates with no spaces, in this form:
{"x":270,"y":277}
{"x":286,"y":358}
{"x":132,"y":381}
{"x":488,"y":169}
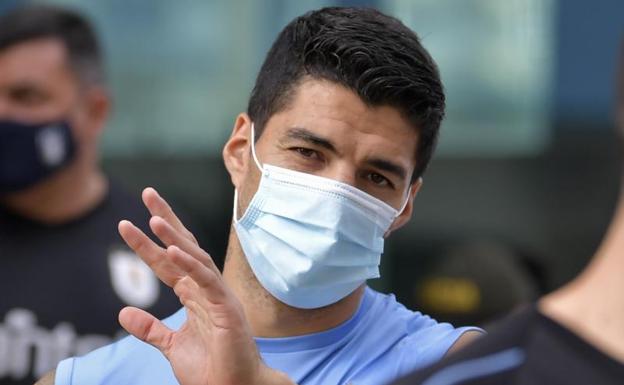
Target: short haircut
{"x":30,"y":22}
{"x":370,"y":53}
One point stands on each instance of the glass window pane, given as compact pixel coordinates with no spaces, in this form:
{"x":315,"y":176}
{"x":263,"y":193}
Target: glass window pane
{"x":495,"y":58}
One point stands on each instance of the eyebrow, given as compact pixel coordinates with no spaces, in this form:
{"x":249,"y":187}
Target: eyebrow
{"x":299,"y":133}
{"x":24,"y":85}
{"x":388,"y":166}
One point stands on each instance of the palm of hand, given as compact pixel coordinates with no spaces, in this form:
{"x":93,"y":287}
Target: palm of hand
{"x":210,"y":347}
{"x":214,"y":346}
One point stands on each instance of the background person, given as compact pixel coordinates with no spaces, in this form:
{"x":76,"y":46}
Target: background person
{"x":64,"y":271}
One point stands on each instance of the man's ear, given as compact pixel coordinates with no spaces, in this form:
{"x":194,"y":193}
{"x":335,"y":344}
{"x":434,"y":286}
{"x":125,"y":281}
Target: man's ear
{"x":406,"y":215}
{"x":98,"y":106}
{"x":89,"y":119}
{"x":236,"y":150}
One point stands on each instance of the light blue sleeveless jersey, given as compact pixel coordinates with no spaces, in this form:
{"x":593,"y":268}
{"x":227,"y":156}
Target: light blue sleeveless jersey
{"x":381,"y":342}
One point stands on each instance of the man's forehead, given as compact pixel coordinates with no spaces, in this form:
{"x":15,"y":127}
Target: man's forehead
{"x":324,"y":104}
{"x":326,"y":111}
{"x":49,"y":46}
{"x":35,"y":58}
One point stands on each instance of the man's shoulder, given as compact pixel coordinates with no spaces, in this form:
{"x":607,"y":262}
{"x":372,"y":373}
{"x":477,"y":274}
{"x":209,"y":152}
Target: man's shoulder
{"x":417,"y":340}
{"x":386,"y":312}
{"x":494,"y":356}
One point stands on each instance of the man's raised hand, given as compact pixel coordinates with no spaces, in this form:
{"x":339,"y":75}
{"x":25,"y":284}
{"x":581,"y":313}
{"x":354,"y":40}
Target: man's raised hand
{"x":214,"y":346}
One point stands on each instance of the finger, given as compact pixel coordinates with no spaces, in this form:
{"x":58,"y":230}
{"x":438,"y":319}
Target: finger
{"x":158,"y":206}
{"x":152,"y":254}
{"x":211,"y":283}
{"x":196,"y":303}
{"x":169,"y":236}
{"x":203,"y":309}
{"x":136,"y":239}
{"x":186,"y":289}
{"x":198,"y":307}
{"x":146,"y":327}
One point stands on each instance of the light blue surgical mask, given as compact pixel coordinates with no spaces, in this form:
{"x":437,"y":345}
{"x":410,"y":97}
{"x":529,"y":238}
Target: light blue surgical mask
{"x":309,"y":240}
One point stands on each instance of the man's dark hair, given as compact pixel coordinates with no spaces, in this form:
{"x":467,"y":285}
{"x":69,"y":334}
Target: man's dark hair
{"x":39,"y":21}
{"x":362,"y":49}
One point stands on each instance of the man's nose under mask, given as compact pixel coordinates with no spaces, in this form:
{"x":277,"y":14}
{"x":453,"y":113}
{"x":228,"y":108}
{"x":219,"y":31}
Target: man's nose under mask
{"x":309,"y":240}
{"x":30,"y":153}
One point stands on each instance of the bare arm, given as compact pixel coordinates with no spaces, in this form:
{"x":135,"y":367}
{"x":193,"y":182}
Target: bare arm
{"x":465,"y":339}
{"x":48,"y":379}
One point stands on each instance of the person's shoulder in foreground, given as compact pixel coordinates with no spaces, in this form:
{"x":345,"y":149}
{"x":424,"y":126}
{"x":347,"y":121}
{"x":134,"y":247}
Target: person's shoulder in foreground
{"x":382,"y":341}
{"x":525,"y":348}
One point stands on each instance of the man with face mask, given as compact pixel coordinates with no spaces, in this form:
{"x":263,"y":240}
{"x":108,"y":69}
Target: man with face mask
{"x":326,"y":162}
{"x":63,"y":270}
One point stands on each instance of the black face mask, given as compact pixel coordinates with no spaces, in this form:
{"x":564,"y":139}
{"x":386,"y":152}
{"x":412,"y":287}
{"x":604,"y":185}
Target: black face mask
{"x":29,"y":153}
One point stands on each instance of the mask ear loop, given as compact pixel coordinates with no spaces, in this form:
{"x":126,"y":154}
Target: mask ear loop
{"x":405,"y":202}
{"x":253,"y":148}
{"x":255,"y":158}
{"x":235,"y":211}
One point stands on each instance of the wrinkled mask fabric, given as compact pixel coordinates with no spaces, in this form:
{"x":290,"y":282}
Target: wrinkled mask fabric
{"x":310,"y":240}
{"x":29,"y":153}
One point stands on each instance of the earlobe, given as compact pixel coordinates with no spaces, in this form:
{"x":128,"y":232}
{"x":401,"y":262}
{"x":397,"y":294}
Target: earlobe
{"x":236,"y":150}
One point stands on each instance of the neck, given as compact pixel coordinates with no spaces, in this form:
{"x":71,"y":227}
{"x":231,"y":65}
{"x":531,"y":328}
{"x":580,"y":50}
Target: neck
{"x":592,"y":305}
{"x":270,"y":318}
{"x":67,"y":195}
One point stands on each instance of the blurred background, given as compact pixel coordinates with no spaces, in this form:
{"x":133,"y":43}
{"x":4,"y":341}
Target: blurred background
{"x":526,"y":175}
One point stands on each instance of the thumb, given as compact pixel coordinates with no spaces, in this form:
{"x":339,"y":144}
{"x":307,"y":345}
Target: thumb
{"x":146,"y":327}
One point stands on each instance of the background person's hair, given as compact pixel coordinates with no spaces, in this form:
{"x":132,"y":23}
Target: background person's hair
{"x":362,"y":49}
{"x":30,"y":22}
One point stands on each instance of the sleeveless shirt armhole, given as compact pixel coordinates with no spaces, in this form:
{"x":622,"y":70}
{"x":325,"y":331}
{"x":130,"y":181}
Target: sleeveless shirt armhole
{"x":454,"y":336}
{"x":64,"y":372}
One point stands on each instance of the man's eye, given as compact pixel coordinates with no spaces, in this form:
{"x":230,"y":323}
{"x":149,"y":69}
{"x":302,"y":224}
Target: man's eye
{"x":306,"y":152}
{"x":379,"y":179}
{"x":27,"y":97}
